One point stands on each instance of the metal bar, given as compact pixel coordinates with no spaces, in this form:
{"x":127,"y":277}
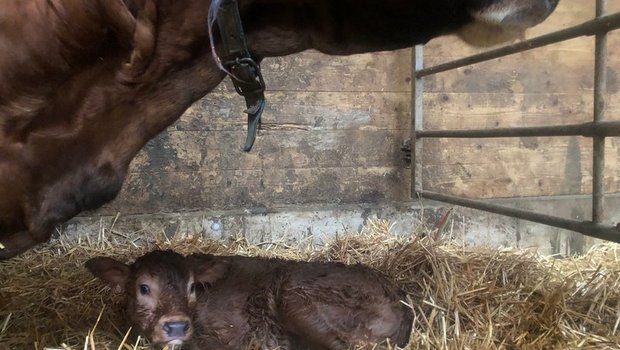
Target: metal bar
{"x":592,"y":27}
{"x":598,"y":142}
{"x":591,"y":129}
{"x":588,"y":228}
{"x":417,"y":119}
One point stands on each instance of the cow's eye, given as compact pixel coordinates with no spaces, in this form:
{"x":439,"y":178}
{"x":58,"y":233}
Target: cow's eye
{"x":144,"y":289}
{"x":192,"y":288}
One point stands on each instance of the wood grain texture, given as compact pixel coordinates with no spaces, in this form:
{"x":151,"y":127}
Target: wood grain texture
{"x":548,"y":86}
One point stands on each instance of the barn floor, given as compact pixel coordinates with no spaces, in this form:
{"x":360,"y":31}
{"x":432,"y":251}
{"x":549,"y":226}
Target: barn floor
{"x":463,"y":297}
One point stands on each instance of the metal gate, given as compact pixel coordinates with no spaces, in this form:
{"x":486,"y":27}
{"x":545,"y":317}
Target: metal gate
{"x":598,"y":129}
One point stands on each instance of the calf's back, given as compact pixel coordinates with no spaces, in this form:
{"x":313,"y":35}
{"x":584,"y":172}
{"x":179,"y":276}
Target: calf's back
{"x":293,"y":305}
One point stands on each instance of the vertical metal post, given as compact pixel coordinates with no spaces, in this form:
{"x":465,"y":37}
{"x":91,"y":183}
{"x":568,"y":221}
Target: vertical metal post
{"x":417,"y":119}
{"x":598,"y":142}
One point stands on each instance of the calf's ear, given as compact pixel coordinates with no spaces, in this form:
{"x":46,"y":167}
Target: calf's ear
{"x":110,"y":271}
{"x":208,"y":269}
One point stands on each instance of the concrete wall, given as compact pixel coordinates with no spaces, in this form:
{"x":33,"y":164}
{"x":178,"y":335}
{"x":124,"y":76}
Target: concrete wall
{"x":316,"y":224}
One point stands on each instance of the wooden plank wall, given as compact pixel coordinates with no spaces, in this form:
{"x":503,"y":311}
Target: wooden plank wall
{"x":332,"y":132}
{"x":334,"y":125}
{"x":547,"y":86}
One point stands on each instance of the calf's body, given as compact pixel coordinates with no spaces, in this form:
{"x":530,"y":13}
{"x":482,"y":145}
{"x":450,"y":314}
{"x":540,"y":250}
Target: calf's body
{"x":242,"y":302}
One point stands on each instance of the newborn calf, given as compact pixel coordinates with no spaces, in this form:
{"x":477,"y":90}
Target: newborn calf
{"x":233,"y":302}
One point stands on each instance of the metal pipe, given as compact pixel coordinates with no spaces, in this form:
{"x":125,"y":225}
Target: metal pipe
{"x":592,"y":27}
{"x":588,"y":228}
{"x":591,"y":129}
{"x":598,"y":142}
{"x":417,"y":119}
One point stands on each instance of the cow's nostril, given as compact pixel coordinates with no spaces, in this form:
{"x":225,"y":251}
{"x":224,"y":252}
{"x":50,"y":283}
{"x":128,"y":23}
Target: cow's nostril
{"x":176,"y":328}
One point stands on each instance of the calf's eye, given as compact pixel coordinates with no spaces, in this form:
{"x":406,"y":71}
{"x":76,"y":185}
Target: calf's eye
{"x":144,"y":289}
{"x":192,"y":288}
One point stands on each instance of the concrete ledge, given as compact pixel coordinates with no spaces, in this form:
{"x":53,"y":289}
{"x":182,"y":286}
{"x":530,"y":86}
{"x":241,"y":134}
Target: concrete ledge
{"x":317,"y":223}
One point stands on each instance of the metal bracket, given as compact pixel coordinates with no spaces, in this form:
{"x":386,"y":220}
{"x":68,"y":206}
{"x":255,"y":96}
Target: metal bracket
{"x":249,"y":83}
{"x":244,"y":70}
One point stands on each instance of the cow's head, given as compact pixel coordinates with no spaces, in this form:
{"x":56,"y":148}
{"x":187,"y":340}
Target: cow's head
{"x":160,"y":293}
{"x":497,"y":21}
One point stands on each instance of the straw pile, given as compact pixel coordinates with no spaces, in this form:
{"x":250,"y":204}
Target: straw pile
{"x":463,"y":297}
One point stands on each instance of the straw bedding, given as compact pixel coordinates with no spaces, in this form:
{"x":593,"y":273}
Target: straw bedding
{"x":463,"y":297}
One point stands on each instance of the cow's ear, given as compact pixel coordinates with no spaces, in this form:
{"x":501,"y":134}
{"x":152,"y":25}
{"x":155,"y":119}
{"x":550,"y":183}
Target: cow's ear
{"x":208,"y":269}
{"x":112,"y":272}
{"x":135,"y":24}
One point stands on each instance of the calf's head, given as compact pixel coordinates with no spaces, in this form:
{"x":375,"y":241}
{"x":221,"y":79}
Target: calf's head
{"x":160,"y":292}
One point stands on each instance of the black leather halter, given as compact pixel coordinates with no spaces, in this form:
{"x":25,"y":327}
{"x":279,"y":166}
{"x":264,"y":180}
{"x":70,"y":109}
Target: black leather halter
{"x":244,"y":70}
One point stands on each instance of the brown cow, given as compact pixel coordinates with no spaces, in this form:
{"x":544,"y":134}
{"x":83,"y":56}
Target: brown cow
{"x":269,"y":303}
{"x":84,"y":84}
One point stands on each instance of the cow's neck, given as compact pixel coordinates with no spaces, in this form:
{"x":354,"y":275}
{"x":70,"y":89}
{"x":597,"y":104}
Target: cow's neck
{"x":341,"y":27}
{"x":279,"y":27}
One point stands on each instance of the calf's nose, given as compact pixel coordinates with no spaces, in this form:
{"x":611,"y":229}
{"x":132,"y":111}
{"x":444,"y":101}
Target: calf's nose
{"x":176,"y":328}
